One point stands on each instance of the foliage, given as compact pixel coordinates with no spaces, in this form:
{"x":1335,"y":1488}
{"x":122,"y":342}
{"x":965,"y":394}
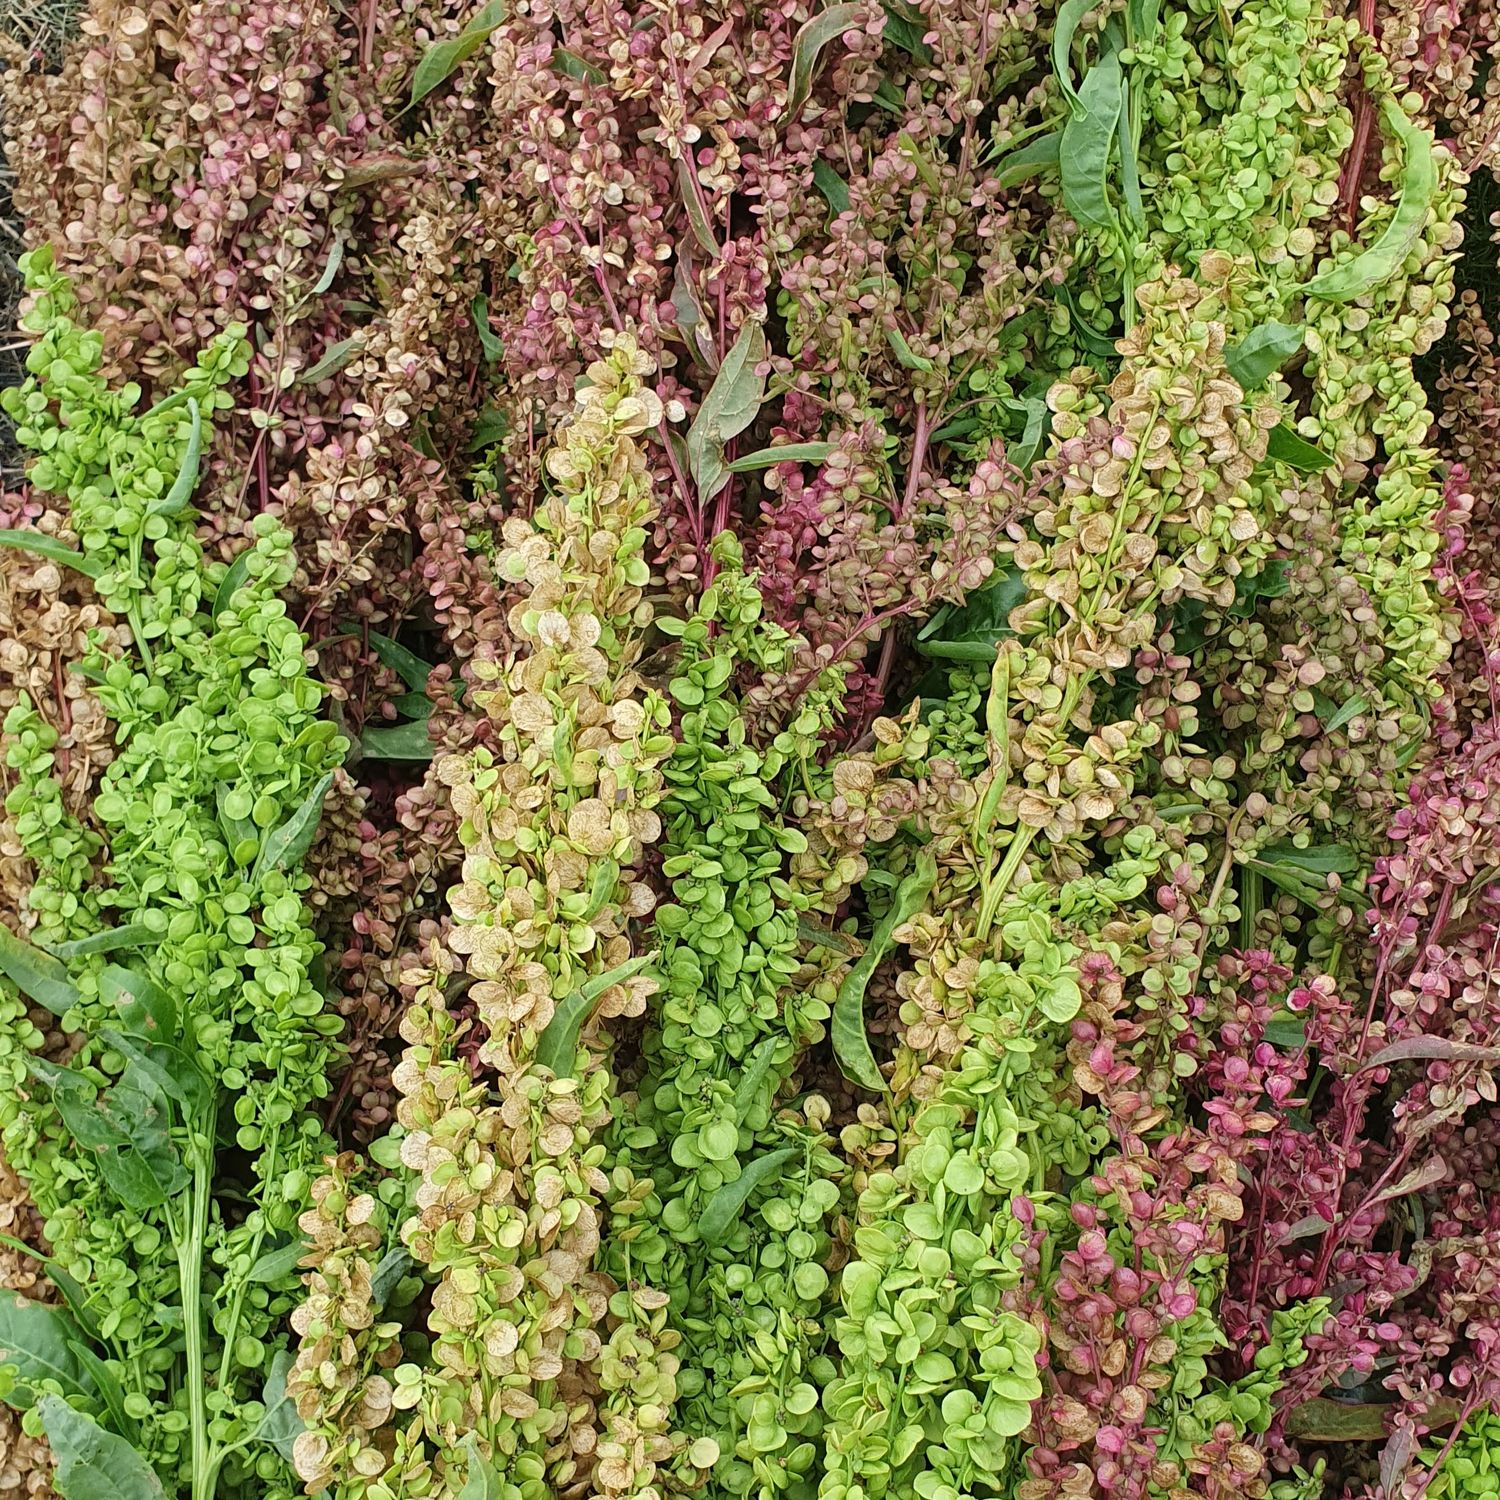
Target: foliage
{"x":749,"y":751}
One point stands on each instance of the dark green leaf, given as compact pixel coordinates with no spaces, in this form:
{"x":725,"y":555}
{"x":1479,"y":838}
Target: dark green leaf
{"x":812,"y":37}
{"x":404,"y":742}
{"x":132,"y":935}
{"x":490,"y":428}
{"x":1261,"y":353}
{"x":1284,"y":446}
{"x":141,"y":1006}
{"x":727,"y":410}
{"x":407,"y":665}
{"x":722,"y":1211}
{"x":557,"y":1047}
{"x":53,"y":550}
{"x":441,"y":59}
{"x":906,"y":33}
{"x":285,"y":846}
{"x":1376,"y":265}
{"x":177,"y":497}
{"x":1291,"y":1036}
{"x":832,"y":186}
{"x":280,"y":1425}
{"x":233,"y":581}
{"x":851,"y":1042}
{"x":394,"y":1265}
{"x":1088,"y":142}
{"x":36,"y":1346}
{"x":1026,"y":161}
{"x":124,"y":1129}
{"x":36,"y":974}
{"x":763,"y":458}
{"x":479,"y":310}
{"x":1432,"y":1049}
{"x":107,"y":1383}
{"x":971,"y":631}
{"x":93,"y":1464}
{"x":413,"y":706}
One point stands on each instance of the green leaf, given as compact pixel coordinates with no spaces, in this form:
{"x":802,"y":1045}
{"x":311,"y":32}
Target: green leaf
{"x":330,"y":267}
{"x":479,"y":310}
{"x":764,"y":458}
{"x":687,"y":186}
{"x":177,"y":497}
{"x":36,"y":974}
{"x":1382,"y":260}
{"x":747,"y":1090}
{"x":481,"y":1481}
{"x":107,"y":1383}
{"x":832,"y":186}
{"x":442,"y":59}
{"x":906,"y":32}
{"x":1088,"y":142}
{"x":722,"y":1211}
{"x":277,"y":1265}
{"x":1261,"y":353}
{"x":407,"y":665}
{"x":233,"y":581}
{"x":557,"y":1048}
{"x":727,"y":410}
{"x":1320,"y":859}
{"x":571,"y":65}
{"x":812,"y":36}
{"x":280,"y":1426}
{"x":404,"y":742}
{"x":904,"y":353}
{"x":36,"y":1346}
{"x":1100,"y":345}
{"x":1026,"y":161}
{"x":125,"y":1130}
{"x":335,"y":357}
{"x":1130,"y":173}
{"x":1348,"y":712}
{"x":1284,"y":446}
{"x":131,"y":935}
{"x":413,"y":706}
{"x":393,"y":1266}
{"x":93,"y":1464}
{"x":971,"y":632}
{"x":141,"y":1006}
{"x":490,"y":427}
{"x":1068,"y":17}
{"x":851,"y":1042}
{"x":285,"y":846}
{"x":53,"y":550}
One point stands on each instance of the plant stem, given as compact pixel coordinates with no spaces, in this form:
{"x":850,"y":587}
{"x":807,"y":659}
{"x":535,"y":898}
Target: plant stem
{"x":190,"y":1276}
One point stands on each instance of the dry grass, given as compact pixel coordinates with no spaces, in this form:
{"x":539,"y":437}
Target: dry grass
{"x":42,"y":27}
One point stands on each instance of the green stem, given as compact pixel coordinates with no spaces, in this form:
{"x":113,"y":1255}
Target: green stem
{"x":190,"y":1256}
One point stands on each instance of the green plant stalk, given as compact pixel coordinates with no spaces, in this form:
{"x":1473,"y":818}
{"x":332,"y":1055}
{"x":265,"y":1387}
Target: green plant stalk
{"x":190,"y":1271}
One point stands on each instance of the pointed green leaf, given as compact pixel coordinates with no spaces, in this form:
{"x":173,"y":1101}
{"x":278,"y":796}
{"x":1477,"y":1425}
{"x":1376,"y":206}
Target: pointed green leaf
{"x":851,"y":1042}
{"x":832,"y":186}
{"x":1261,"y":353}
{"x":727,"y":410}
{"x":131,"y":935}
{"x":404,"y":742}
{"x":335,"y":357}
{"x":557,"y":1048}
{"x":1284,"y":446}
{"x":1088,"y":142}
{"x":285,"y":846}
{"x":812,"y":37}
{"x":722,"y":1211}
{"x":177,"y":497}
{"x":141,"y":1006}
{"x":37,"y":975}
{"x":53,"y":550}
{"x":442,"y":59}
{"x":1063,"y":30}
{"x":237,"y":576}
{"x":280,"y":1425}
{"x":798,"y":453}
